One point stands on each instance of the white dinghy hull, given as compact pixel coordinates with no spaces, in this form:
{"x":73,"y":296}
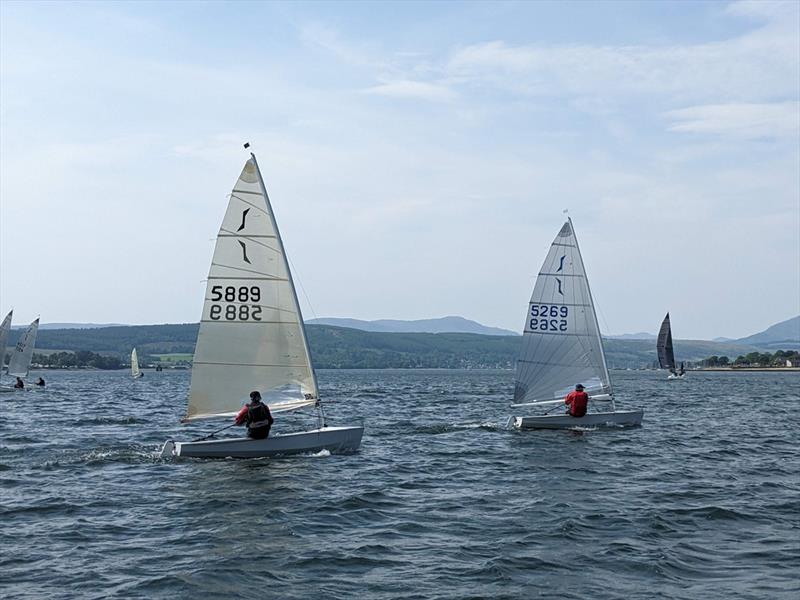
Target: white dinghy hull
{"x":631,"y":418}
{"x":336,"y":440}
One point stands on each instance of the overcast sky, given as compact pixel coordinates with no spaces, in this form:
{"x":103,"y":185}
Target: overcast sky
{"x":418,"y":156}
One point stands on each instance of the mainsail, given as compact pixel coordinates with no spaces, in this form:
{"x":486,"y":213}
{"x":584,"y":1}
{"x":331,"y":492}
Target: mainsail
{"x":666,"y":356}
{"x":5,"y":327}
{"x":251,"y":332}
{"x":135,"y":372}
{"x":561,"y":344}
{"x":23,"y":352}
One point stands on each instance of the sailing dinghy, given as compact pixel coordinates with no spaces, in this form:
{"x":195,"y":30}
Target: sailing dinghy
{"x":561,"y":346}
{"x":666,"y":354}
{"x":21,"y":356}
{"x":136,"y":372}
{"x":5,"y":327}
{"x":252,"y":336}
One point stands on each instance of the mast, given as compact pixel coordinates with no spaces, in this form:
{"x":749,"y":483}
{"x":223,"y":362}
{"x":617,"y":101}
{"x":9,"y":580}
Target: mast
{"x":594,"y":313}
{"x":291,"y":279}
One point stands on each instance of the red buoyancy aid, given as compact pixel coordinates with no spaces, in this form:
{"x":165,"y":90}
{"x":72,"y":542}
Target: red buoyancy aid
{"x":577,"y":402}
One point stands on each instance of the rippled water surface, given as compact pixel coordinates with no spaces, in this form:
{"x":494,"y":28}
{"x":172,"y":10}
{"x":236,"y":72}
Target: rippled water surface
{"x":442,"y":501}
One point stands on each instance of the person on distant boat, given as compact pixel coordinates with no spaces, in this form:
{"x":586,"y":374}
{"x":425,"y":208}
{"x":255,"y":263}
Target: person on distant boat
{"x":577,"y":401}
{"x":257,"y":417}
{"x":40,"y":382}
{"x":19,"y":385}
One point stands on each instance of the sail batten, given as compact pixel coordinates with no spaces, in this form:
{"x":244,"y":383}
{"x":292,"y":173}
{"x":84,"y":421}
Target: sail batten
{"x":251,"y":333}
{"x":561,"y":344}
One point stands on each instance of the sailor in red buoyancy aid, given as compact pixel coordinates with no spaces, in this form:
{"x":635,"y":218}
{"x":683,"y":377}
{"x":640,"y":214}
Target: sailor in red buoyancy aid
{"x":256,"y":416}
{"x":577,"y":401}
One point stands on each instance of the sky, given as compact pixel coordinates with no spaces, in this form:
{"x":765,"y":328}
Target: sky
{"x":419,"y":156}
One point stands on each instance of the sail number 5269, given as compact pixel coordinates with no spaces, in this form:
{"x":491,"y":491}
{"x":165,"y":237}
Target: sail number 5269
{"x":548,"y":317}
{"x":241,"y":311}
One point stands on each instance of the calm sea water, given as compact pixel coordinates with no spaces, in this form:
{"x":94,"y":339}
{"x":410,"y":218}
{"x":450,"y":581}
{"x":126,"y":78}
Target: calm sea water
{"x":442,"y":501}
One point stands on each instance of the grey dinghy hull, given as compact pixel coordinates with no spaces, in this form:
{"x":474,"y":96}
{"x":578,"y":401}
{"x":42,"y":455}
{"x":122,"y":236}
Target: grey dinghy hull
{"x":333,"y":439}
{"x":630,"y":418}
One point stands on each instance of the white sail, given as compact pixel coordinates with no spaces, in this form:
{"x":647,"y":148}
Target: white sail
{"x":5,"y":327}
{"x":135,"y":371}
{"x":23,"y":352}
{"x":251,"y":332}
{"x":561,"y":344}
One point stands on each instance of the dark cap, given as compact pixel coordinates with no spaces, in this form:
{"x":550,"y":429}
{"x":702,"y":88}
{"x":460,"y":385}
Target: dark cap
{"x":255,"y":395}
{"x":579,"y":386}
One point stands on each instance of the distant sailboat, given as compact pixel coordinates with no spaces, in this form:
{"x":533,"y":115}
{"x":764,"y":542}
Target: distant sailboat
{"x":252,"y":336}
{"x":666,"y":355}
{"x":23,"y":352}
{"x":136,"y":372}
{"x":562,"y":346}
{"x":5,"y":327}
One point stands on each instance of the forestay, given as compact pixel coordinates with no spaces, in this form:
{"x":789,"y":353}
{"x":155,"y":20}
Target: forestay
{"x":666,"y":356}
{"x":251,"y":333}
{"x":23,"y":352}
{"x":561,"y":343}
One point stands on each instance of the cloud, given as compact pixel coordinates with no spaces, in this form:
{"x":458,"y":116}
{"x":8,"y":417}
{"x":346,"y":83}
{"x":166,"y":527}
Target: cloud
{"x":759,"y":65}
{"x":750,"y":121}
{"x":419,"y":90}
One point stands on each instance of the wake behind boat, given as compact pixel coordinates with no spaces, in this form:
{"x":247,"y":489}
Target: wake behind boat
{"x":252,"y":337}
{"x":562,"y":346}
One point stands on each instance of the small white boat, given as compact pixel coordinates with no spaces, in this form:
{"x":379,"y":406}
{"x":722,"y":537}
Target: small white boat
{"x":666,"y":353}
{"x":332,"y":439}
{"x":252,"y":337}
{"x":136,"y":372}
{"x":562,"y":346}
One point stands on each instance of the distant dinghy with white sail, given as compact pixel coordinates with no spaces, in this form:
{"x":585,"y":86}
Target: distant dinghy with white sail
{"x":561,"y":346}
{"x":252,"y":337}
{"x":5,"y":327}
{"x":136,"y":372}
{"x":666,"y":354}
{"x":20,"y":361}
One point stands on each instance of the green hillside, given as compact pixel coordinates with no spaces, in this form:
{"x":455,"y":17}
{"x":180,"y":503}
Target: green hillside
{"x":344,"y":348}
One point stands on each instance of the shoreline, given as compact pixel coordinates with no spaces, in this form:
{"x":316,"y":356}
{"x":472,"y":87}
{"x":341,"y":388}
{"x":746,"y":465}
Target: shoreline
{"x":750,"y":369}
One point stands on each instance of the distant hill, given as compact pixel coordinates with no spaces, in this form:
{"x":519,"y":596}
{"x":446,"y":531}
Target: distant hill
{"x":69,"y":325}
{"x":633,"y":336}
{"x":781,"y":336}
{"x":442,"y":325}
{"x":341,"y":347}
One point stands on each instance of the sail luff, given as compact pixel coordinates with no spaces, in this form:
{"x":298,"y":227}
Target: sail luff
{"x":594,"y":311}
{"x":289,"y":272}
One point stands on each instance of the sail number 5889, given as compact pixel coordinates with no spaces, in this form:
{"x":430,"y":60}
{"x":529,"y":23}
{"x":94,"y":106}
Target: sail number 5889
{"x":240,"y":311}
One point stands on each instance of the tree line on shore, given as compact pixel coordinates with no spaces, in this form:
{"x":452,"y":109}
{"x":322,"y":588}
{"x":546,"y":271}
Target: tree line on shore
{"x":79,"y":359}
{"x":755,"y":359}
